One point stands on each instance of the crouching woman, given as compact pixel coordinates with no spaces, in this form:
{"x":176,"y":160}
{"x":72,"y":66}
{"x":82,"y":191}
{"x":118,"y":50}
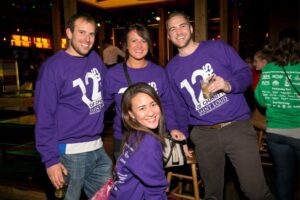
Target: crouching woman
{"x":139,"y":169}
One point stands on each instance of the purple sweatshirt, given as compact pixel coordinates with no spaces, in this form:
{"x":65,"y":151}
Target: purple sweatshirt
{"x":116,"y":83}
{"x":140,"y":172}
{"x":68,"y":103}
{"x":210,"y":58}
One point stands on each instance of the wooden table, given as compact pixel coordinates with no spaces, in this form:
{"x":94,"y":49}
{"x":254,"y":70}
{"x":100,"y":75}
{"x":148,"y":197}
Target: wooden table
{"x":26,"y":120}
{"x":17,"y":136}
{"x":16,"y":102}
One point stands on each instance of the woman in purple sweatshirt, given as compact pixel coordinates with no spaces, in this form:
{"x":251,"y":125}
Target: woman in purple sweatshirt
{"x":139,"y":169}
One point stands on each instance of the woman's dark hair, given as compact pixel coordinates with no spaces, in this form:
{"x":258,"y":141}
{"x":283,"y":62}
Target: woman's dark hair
{"x":132,"y":127}
{"x":143,"y":32}
{"x":287,"y":52}
{"x":84,"y":16}
{"x":265,"y":53}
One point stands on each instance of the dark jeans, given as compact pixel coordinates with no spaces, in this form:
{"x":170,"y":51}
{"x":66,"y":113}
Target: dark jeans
{"x":285,"y":152}
{"x":237,"y":141}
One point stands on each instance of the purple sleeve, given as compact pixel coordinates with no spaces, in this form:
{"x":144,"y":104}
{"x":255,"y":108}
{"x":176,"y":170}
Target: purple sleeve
{"x":241,"y":76}
{"x":45,"y":104}
{"x":147,"y":165}
{"x":167,"y":104}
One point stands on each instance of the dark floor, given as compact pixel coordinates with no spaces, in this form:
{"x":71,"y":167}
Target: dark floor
{"x":25,"y":172}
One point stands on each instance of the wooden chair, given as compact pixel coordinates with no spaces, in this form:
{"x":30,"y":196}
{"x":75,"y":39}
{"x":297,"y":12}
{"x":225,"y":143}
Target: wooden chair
{"x":178,"y":190}
{"x":259,"y":123}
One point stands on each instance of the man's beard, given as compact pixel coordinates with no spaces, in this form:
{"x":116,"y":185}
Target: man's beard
{"x":185,"y":44}
{"x":77,"y":49}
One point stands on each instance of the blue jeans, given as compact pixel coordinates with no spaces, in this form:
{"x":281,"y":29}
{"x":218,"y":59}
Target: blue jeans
{"x":90,"y":171}
{"x":285,"y":152}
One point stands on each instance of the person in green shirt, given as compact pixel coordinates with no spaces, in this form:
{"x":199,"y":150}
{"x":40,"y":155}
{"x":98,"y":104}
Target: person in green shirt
{"x":278,"y":91}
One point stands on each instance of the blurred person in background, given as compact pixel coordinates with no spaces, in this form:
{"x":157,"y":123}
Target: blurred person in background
{"x":261,"y":58}
{"x":279,"y":92}
{"x":111,"y":53}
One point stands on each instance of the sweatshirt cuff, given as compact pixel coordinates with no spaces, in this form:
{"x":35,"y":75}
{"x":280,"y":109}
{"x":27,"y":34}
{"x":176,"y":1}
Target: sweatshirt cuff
{"x":232,"y":85}
{"x":51,"y":162}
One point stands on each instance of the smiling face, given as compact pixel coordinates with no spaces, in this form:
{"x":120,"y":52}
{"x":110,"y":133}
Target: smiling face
{"x":179,"y":31}
{"x":82,"y":39}
{"x":137,"y":46}
{"x":145,"y":110}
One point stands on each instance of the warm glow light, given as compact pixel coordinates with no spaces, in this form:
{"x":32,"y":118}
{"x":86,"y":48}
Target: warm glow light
{"x":267,"y":35}
{"x":26,"y":41}
{"x":25,"y":38}
{"x":20,"y":41}
{"x":98,"y":24}
{"x":42,"y":43}
{"x":63,"y":43}
{"x":117,"y":4}
{"x":157,"y":18}
{"x":16,"y":37}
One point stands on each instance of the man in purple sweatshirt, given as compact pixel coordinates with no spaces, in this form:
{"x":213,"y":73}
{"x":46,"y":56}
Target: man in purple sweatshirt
{"x":70,"y":111}
{"x":220,"y":122}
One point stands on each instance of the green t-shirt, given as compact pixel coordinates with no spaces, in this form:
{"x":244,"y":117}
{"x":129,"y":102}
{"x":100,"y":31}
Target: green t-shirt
{"x":275,"y":92}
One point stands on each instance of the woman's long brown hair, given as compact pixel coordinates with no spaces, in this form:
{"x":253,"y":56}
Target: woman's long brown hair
{"x":132,"y":127}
